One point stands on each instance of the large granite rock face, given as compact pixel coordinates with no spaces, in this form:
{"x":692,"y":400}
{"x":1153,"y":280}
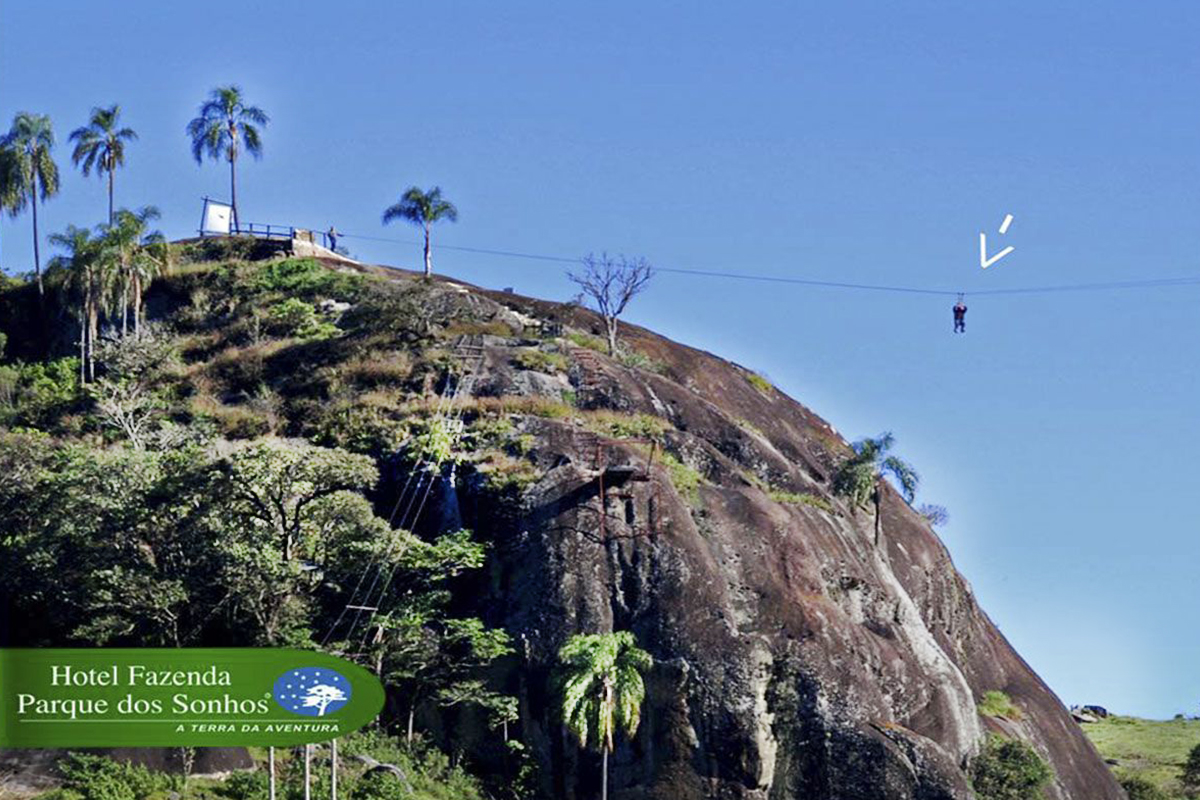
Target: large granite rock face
{"x":796,"y":658}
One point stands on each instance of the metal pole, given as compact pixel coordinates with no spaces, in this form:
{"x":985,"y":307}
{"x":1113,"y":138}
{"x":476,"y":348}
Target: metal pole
{"x":333,"y":770}
{"x":271,"y":772}
{"x":308,"y":772}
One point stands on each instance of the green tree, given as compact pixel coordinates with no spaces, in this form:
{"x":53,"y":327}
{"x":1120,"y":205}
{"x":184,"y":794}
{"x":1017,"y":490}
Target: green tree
{"x":422,"y":209}
{"x":100,"y":145}
{"x":12,"y":198}
{"x":1189,"y":776}
{"x":225,"y":125}
{"x":859,"y":476}
{"x":1008,"y":769}
{"x":81,"y":265}
{"x":136,"y":256}
{"x":603,"y":689}
{"x":31,"y":138}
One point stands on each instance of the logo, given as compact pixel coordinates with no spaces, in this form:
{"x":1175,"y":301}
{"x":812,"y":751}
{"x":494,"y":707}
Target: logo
{"x":312,"y":691}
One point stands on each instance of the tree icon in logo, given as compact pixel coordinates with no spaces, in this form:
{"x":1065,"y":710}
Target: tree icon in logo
{"x":312,"y":691}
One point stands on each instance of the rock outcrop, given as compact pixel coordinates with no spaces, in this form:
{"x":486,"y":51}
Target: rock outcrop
{"x":796,"y":658}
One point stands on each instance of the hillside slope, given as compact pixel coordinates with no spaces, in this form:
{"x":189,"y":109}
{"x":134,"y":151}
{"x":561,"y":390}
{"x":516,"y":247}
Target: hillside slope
{"x":670,"y":493}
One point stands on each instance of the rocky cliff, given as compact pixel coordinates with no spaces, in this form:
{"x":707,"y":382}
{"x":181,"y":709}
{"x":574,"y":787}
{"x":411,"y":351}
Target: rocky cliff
{"x":796,"y":658}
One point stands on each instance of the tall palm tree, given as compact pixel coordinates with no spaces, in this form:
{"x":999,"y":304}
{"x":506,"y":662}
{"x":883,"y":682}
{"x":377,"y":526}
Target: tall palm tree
{"x":101,"y":145}
{"x":859,"y":476}
{"x":31,"y":138}
{"x":81,"y":263}
{"x":603,"y":689}
{"x":224,"y":125}
{"x":423,"y":209}
{"x":140,"y":254}
{"x":12,"y":198}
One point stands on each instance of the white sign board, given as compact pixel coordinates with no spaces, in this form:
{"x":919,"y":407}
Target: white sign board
{"x":216,"y":217}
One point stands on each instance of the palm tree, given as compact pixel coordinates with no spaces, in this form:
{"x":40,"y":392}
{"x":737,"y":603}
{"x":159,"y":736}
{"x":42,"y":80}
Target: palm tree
{"x":31,"y":138}
{"x":101,"y":145}
{"x":423,"y":209}
{"x":225,"y":123}
{"x":859,"y":476}
{"x":81,"y":263}
{"x":140,"y":255}
{"x":12,"y":198}
{"x":603,"y":689}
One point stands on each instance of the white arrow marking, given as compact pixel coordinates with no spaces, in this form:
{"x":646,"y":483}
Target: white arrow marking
{"x":1004,"y":225}
{"x":986,"y":262}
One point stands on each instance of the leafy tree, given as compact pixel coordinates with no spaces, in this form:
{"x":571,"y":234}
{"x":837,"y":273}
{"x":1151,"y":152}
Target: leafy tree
{"x":611,"y":283}
{"x":1189,"y":776}
{"x":859,"y":476}
{"x":30,"y":139}
{"x":603,"y":689}
{"x":226,"y":124}
{"x":135,"y":255}
{"x":100,"y":145}
{"x":1008,"y":769}
{"x":422,"y":209}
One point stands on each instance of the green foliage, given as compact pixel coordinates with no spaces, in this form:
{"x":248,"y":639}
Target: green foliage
{"x":588,"y":341}
{"x":685,"y":479}
{"x":1008,"y":769}
{"x":602,"y":686}
{"x":541,"y":361}
{"x":760,"y":383}
{"x":1142,"y":789}
{"x":435,"y":443}
{"x":101,"y":778}
{"x":305,"y":278}
{"x":637,"y":360}
{"x":998,"y":704}
{"x":245,"y":785}
{"x":1189,"y":776}
{"x":39,"y":394}
{"x":800,"y":499}
{"x":626,"y":426}
{"x":858,"y":475}
{"x":294,"y":317}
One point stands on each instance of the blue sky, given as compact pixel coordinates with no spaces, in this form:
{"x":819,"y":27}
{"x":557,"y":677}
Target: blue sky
{"x":848,"y":142}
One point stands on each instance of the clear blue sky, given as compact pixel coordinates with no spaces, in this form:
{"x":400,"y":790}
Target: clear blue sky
{"x":848,"y":141}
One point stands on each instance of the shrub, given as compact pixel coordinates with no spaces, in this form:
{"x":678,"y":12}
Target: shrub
{"x":685,"y":479}
{"x":541,"y":361}
{"x":294,"y":317}
{"x":636,"y":360}
{"x":1190,"y":775}
{"x":588,"y":341}
{"x":1142,"y":789}
{"x":998,"y":704}
{"x":760,"y":383}
{"x":1008,"y":770}
{"x":935,"y":515}
{"x":626,"y":426}
{"x":100,"y":778}
{"x":305,"y":277}
{"x":37,"y":394}
{"x":244,"y":786}
{"x":800,"y":499}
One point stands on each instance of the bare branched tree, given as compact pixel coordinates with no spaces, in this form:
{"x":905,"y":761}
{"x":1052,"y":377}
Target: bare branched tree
{"x":611,"y":283}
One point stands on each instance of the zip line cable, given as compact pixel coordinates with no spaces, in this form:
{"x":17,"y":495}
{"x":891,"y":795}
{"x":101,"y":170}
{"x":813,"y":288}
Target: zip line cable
{"x":745,"y":276}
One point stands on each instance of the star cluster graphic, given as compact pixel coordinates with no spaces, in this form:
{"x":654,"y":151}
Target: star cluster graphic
{"x":312,"y":691}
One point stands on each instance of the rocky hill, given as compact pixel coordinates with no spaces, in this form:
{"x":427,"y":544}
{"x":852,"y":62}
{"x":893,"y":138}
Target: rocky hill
{"x":667,"y":492}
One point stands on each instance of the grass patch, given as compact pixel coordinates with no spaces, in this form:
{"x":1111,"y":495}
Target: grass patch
{"x":541,"y":361}
{"x":588,"y":341}
{"x":685,"y":479}
{"x":494,"y":328}
{"x":625,"y":426}
{"x":1154,"y":750}
{"x":760,"y":383}
{"x":636,"y":360}
{"x":998,"y":704}
{"x":801,"y":499}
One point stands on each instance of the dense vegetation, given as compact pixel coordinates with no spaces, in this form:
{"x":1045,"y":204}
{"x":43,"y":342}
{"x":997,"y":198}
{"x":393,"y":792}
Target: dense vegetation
{"x":1153,"y":755}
